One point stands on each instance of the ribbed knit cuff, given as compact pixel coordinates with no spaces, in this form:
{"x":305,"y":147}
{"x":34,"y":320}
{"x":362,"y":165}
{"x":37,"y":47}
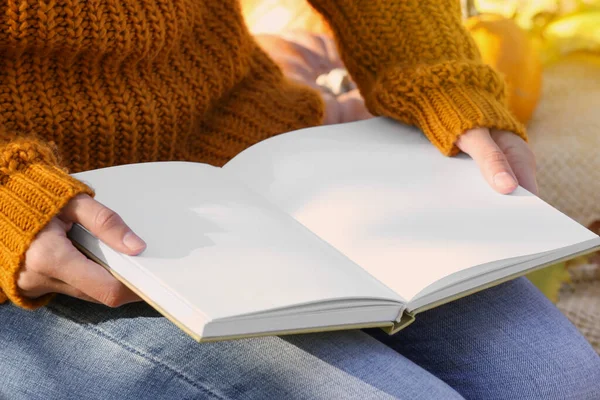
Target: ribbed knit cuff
{"x":445,"y":102}
{"x":29,"y":199}
{"x":444,"y":115}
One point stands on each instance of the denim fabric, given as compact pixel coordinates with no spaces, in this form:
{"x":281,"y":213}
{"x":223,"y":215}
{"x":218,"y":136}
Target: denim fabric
{"x":507,"y":342}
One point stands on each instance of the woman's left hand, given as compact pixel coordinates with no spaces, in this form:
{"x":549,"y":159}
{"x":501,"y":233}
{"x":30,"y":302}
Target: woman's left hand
{"x":504,"y":158}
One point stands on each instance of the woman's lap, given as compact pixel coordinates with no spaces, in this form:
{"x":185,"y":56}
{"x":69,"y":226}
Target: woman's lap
{"x":79,"y":350}
{"x":506,"y":342}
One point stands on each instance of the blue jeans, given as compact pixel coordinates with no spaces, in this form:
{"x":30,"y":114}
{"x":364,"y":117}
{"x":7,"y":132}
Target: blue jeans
{"x":507,"y":342}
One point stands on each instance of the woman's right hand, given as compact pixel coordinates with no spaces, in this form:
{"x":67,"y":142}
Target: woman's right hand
{"x":53,"y":265}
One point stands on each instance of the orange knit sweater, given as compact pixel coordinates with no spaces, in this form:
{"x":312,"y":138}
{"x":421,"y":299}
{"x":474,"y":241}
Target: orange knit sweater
{"x":96,"y":83}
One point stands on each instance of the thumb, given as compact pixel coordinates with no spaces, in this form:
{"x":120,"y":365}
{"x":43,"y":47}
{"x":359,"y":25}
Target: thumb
{"x":103,"y":223}
{"x":492,"y":162}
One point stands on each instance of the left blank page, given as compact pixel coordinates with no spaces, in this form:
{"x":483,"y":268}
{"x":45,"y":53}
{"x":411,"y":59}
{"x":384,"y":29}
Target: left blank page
{"x":220,"y":247}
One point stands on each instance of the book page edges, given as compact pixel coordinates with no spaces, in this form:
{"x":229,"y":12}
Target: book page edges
{"x":332,"y":328}
{"x":391,"y":328}
{"x":408,"y":317}
{"x":199,"y":338}
{"x":405,"y":319}
{"x":501,"y":280}
{"x":135,"y":290}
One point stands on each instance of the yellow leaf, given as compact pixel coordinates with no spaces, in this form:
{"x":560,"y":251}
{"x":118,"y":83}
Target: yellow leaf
{"x":550,"y":279}
{"x":573,"y":33}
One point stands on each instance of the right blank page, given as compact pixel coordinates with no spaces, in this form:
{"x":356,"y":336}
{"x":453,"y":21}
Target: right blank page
{"x":383,"y":195}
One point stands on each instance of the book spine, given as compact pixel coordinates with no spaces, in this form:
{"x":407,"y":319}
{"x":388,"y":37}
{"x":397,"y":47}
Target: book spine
{"x":405,"y":320}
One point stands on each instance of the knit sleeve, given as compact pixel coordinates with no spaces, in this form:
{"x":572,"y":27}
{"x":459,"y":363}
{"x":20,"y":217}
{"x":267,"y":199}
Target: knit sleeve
{"x":414,"y":61}
{"x":33,"y":189}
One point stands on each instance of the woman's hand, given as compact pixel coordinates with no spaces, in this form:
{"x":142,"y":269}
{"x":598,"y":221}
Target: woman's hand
{"x":54,"y":265}
{"x":505,"y":160}
{"x":503,"y":157}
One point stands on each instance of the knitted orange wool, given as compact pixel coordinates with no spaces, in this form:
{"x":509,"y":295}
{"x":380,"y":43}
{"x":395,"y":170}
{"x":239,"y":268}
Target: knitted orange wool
{"x":111,"y":82}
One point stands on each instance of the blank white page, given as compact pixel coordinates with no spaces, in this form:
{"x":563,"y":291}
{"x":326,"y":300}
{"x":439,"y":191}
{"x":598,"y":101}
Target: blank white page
{"x":220,"y":247}
{"x":381,"y":193}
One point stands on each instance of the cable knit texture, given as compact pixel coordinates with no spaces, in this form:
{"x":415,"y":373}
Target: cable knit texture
{"x":109,"y":82}
{"x":414,"y":61}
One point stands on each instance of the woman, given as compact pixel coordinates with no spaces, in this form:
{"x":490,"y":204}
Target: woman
{"x":105,"y":82}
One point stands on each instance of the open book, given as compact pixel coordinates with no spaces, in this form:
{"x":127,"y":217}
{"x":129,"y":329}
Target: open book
{"x":336,"y":227}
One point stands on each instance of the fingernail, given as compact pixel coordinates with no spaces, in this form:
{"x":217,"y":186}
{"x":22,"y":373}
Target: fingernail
{"x":504,"y":180}
{"x":133,"y":242}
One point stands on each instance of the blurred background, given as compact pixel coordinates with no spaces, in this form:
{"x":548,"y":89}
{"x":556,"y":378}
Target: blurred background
{"x":549,"y":54}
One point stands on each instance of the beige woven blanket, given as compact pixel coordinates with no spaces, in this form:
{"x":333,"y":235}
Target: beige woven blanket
{"x":565,"y":136}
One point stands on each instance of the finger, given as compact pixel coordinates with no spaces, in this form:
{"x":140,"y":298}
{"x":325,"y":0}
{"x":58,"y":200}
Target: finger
{"x":52,"y":259}
{"x":520,"y":157}
{"x":492,"y":162}
{"x":33,"y":279}
{"x":103,"y":223}
{"x":37,"y":285}
{"x":59,"y":226}
{"x":46,"y":249}
{"x":75,"y":270}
